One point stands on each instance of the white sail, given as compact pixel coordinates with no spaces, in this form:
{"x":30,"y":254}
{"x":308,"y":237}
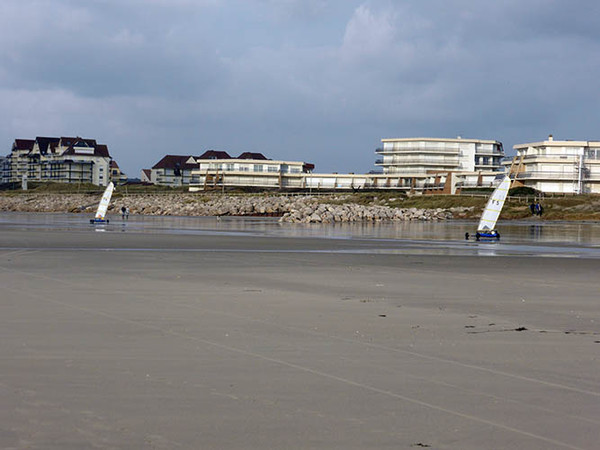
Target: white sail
{"x":494,"y":206}
{"x":103,"y":206}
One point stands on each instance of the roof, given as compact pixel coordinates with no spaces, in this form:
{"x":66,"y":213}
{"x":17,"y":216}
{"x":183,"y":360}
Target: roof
{"x":77,"y":142}
{"x":147,"y":172}
{"x":113,"y":164}
{"x":23,"y":144}
{"x":175,"y":162}
{"x":250,"y":155}
{"x":43,"y":143}
{"x":48,"y":144}
{"x":551,"y":142}
{"x":67,"y":141}
{"x":424,"y":139}
{"x":100,"y":150}
{"x":214,"y":154}
{"x":259,"y":161}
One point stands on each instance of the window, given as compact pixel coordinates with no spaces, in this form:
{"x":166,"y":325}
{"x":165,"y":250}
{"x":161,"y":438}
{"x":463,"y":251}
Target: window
{"x":258,"y":167}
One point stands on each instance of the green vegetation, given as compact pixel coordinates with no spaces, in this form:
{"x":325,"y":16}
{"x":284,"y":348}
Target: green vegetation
{"x":150,"y":189}
{"x":88,"y":188}
{"x":64,"y":187}
{"x":523,"y":191}
{"x":53,"y":188}
{"x":446,"y":201}
{"x":581,"y":207}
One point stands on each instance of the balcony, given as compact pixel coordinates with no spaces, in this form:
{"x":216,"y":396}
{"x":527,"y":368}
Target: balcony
{"x":554,"y":158}
{"x":490,"y":166}
{"x":542,"y":175}
{"x":489,"y":153}
{"x":586,"y":175}
{"x":427,"y":151}
{"x":419,"y":150}
{"x":418,"y":160}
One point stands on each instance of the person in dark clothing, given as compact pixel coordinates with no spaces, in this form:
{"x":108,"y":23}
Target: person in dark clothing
{"x":532,"y":208}
{"x":123,"y":209}
{"x":538,"y":209}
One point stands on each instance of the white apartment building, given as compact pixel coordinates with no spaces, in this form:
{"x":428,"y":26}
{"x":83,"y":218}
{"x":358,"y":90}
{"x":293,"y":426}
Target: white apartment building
{"x":427,"y":155}
{"x":218,"y":169}
{"x":4,"y":170}
{"x":116,"y":175}
{"x":554,"y":166}
{"x":171,"y":170}
{"x":63,"y":160}
{"x":18,"y":160}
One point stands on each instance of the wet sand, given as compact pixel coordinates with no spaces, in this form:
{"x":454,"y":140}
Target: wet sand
{"x":248,"y":342}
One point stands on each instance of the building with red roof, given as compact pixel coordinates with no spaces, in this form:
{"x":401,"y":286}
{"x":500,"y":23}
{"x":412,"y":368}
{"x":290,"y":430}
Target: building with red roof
{"x":61,"y":159}
{"x":171,"y":170}
{"x":248,"y":170}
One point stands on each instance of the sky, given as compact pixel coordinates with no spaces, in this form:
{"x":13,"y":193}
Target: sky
{"x":320,"y":81}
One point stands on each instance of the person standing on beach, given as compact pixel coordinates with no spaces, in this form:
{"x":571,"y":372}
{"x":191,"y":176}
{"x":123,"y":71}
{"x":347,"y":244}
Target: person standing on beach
{"x":123,"y":210}
{"x":532,"y":208}
{"x":127,"y":213}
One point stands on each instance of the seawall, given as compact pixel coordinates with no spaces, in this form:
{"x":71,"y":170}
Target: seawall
{"x":299,"y":209}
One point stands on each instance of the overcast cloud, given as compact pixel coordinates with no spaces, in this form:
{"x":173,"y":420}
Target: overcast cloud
{"x":315,"y":80}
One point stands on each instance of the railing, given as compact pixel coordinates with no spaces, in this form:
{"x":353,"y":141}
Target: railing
{"x":557,"y":158}
{"x":492,"y":167}
{"x":548,"y":175}
{"x":489,"y":152}
{"x":403,"y":151}
{"x":424,"y":160}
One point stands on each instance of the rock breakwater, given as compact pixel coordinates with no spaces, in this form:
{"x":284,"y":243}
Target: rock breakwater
{"x":313,"y":212}
{"x":299,"y":209}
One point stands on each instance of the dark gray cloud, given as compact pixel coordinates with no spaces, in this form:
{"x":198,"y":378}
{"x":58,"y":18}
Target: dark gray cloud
{"x":314,"y":80}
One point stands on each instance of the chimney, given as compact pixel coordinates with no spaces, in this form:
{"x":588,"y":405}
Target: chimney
{"x":550,"y":138}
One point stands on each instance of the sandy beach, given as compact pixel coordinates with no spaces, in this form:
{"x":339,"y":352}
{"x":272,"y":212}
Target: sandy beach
{"x":133,"y":340}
